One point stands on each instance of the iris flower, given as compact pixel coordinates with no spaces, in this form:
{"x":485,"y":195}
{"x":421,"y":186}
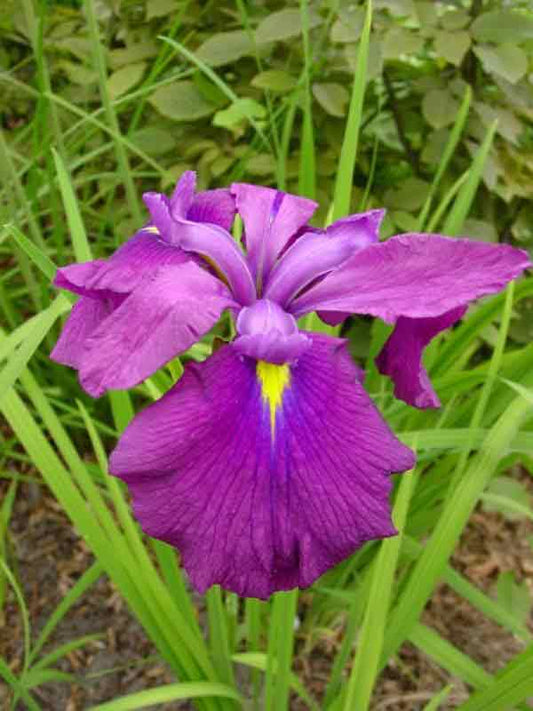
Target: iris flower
{"x":267,"y":463}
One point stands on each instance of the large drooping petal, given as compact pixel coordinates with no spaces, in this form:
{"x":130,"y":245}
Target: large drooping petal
{"x":123,"y":271}
{"x":414,"y":275}
{"x":401,"y":356}
{"x":172,"y":308}
{"x":85,"y":317}
{"x":270,"y":218}
{"x":263,"y":476}
{"x":317,"y":253}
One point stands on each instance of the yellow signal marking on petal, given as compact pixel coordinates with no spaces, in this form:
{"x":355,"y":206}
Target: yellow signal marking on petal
{"x":153,"y":229}
{"x":274,"y":379}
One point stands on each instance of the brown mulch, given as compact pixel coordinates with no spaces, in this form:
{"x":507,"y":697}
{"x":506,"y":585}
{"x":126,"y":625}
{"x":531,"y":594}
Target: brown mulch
{"x":48,"y":557}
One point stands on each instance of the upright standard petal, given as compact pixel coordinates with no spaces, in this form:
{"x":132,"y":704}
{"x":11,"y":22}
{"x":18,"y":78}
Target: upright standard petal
{"x":415,"y":275}
{"x":217,"y":207}
{"x":263,"y":476}
{"x":317,"y":253}
{"x":270,"y":218}
{"x":172,"y":308}
{"x":401,"y":356}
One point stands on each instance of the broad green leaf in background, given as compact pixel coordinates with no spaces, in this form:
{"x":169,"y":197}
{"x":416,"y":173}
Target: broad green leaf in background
{"x":332,"y":97}
{"x":125,"y":79}
{"x":283,"y":25}
{"x":439,"y":107}
{"x":452,"y":46}
{"x":153,"y":140}
{"x":502,"y":26}
{"x":455,"y":19}
{"x":349,"y":24}
{"x":159,"y":8}
{"x":181,"y":102}
{"x":274,"y":80}
{"x":241,"y":110}
{"x":507,"y":60}
{"x":399,"y":41}
{"x":225,"y":47}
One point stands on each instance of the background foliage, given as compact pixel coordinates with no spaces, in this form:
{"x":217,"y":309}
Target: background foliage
{"x":103,"y":100}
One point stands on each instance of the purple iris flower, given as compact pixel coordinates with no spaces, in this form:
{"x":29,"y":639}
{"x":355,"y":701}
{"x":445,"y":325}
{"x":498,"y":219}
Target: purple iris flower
{"x":268,"y":463}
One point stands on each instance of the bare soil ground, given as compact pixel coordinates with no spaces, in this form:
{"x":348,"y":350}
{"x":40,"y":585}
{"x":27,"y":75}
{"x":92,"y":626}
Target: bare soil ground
{"x":48,"y":557}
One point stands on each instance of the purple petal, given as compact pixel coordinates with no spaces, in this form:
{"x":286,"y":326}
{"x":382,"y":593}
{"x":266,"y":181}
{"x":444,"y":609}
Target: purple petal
{"x":220,"y":251}
{"x":270,"y":219}
{"x":183,"y":195}
{"x":333,"y":318}
{"x":123,"y":271}
{"x":253,"y":510}
{"x":401,"y":356}
{"x":267,"y":332}
{"x":214,"y":206}
{"x":164,"y":316}
{"x":414,"y":275}
{"x":314,"y":255}
{"x":85,"y":317}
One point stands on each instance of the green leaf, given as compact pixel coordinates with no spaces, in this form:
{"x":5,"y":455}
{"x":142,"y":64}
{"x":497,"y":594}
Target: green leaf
{"x":452,"y":46}
{"x":154,"y":141}
{"x":511,"y":685}
{"x":132,"y":54}
{"x":399,"y":41}
{"x":274,"y":80}
{"x":159,"y":8}
{"x":410,"y":196}
{"x":455,"y":20}
{"x":480,"y":230}
{"x":283,"y":25}
{"x":241,"y":110}
{"x":502,"y":26}
{"x":124,"y":79}
{"x":513,"y":596}
{"x":82,"y":248}
{"x":332,"y":97}
{"x":509,"y":497}
{"x":348,"y":155}
{"x":439,"y":107}
{"x":181,"y":102}
{"x":170,"y":692}
{"x":398,"y":8}
{"x":507,"y":60}
{"x":509,"y":126}
{"x":426,"y":13}
{"x":349,"y":25}
{"x":225,"y":47}
{"x":261,"y":164}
